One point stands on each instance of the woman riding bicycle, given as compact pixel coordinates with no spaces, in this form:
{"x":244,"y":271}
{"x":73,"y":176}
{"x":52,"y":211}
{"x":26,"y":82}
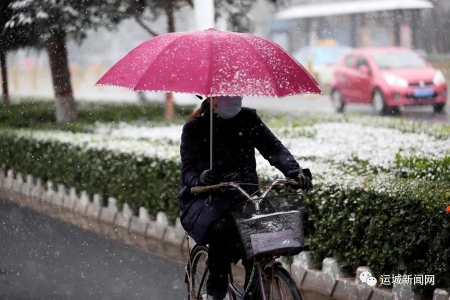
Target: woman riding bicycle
{"x":237,"y":132}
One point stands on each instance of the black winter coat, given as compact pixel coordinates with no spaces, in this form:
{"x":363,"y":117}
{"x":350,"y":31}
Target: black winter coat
{"x":234,"y":143}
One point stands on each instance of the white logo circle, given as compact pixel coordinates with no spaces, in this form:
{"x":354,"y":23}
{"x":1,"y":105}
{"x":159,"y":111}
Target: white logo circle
{"x":364,"y":275}
{"x":372,"y":281}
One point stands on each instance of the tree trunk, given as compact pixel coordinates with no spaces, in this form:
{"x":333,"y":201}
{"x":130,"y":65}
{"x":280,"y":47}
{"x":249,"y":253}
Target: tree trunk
{"x":66,"y":110}
{"x":5,"y":93}
{"x":170,"y":17}
{"x":141,"y":96}
{"x":398,"y":19}
{"x":435,"y":30}
{"x":415,"y":27}
{"x":355,"y":22}
{"x":169,"y":111}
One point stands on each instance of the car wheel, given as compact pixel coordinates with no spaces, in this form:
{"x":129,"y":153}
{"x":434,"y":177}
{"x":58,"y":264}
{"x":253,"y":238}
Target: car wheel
{"x":380,"y":107}
{"x":392,"y":110}
{"x":439,"y":108}
{"x":336,"y":98}
{"x":378,"y":103}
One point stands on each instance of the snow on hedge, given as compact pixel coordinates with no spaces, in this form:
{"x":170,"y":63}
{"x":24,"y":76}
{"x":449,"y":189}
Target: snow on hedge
{"x":338,"y":142}
{"x":324,"y":148}
{"x":98,"y":141}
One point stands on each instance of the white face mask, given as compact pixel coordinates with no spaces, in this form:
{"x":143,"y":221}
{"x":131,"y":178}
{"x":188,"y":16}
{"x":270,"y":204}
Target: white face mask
{"x":228,"y":106}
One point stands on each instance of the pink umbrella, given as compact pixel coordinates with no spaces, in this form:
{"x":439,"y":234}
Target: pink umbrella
{"x":211,"y":63}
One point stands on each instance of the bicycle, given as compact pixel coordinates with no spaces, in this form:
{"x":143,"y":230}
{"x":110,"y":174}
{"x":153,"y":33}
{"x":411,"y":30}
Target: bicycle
{"x":284,"y":238}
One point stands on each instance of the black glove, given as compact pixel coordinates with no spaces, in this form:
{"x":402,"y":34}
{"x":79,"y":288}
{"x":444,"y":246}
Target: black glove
{"x":304,"y":180}
{"x":209,"y":177}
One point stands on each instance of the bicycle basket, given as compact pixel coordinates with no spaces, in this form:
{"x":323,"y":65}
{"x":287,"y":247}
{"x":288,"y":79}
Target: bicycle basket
{"x":276,"y":230}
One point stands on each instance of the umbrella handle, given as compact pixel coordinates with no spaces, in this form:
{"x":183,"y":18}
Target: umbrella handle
{"x":210,"y":133}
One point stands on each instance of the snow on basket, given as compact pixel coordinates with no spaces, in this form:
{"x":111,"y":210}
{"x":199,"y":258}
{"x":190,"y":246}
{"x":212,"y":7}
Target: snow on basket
{"x":275,"y":230}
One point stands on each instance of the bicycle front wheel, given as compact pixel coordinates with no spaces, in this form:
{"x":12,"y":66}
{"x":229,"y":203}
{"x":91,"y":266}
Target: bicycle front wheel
{"x":198,"y":273}
{"x":279,"y":285}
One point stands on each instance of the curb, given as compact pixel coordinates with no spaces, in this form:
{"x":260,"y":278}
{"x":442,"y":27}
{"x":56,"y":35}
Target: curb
{"x":330,"y":281}
{"x":333,"y":282}
{"x":35,"y":191}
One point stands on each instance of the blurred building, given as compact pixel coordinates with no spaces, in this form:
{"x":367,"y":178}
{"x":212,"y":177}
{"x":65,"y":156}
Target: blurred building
{"x":354,"y":23}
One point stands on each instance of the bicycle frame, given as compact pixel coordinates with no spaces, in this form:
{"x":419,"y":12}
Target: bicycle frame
{"x":235,"y":294}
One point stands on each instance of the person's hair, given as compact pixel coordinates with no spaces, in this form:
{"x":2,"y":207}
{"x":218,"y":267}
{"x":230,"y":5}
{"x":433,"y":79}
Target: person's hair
{"x":200,"y":110}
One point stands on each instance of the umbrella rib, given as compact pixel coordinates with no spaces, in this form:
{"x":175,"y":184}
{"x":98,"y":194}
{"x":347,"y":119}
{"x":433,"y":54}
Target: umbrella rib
{"x":154,"y":60}
{"x":261,"y":59}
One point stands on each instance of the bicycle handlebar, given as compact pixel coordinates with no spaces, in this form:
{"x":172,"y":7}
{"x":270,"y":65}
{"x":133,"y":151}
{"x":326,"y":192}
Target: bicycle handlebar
{"x":207,"y":188}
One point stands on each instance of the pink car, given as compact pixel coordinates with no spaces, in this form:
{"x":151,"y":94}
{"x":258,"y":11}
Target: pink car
{"x":387,"y":78}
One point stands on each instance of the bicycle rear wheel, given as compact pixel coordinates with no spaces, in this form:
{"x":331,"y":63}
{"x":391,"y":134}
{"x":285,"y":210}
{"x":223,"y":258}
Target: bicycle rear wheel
{"x":198,"y":273}
{"x":279,"y":285}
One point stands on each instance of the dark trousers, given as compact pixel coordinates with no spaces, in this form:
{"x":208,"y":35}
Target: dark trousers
{"x":225,"y":247}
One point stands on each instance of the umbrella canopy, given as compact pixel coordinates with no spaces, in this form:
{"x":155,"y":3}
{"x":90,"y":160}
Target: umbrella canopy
{"x":211,"y":63}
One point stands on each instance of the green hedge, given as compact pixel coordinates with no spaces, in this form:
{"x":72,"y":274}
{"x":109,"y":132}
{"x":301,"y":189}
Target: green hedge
{"x":400,"y":230}
{"x":427,"y":168}
{"x":406,"y":231}
{"x":41,"y":114}
{"x":147,"y":182}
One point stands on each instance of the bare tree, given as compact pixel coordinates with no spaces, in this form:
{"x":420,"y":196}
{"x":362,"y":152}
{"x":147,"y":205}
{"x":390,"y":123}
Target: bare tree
{"x":56,"y":21}
{"x":10,"y":41}
{"x":4,"y":45}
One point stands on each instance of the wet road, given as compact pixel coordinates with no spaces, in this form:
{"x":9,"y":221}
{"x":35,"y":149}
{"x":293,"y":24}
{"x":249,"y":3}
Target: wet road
{"x":45,"y":258}
{"x":68,"y":256}
{"x":322,"y":104}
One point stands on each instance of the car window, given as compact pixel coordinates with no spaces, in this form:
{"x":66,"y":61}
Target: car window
{"x":348,"y":61}
{"x":398,"y":60}
{"x":362,"y":61}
